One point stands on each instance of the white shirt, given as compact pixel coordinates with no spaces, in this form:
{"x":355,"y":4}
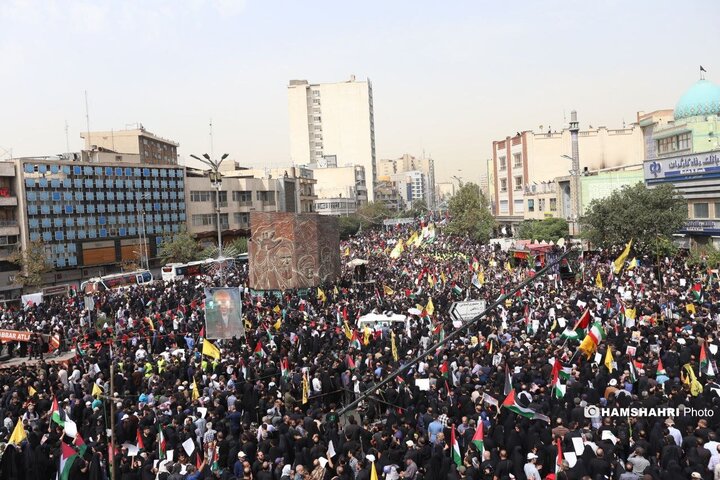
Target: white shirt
{"x":531,"y":472}
{"x":677,"y":436}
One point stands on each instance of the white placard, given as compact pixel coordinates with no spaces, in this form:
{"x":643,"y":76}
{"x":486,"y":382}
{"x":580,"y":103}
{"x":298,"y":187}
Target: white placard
{"x":581,"y":304}
{"x":322,"y":461}
{"x":189,"y":446}
{"x":683,"y":282}
{"x":578,"y":445}
{"x":562,"y":322}
{"x":571,"y":458}
{"x":331,"y":450}
{"x":713,"y":348}
{"x":608,"y":435}
{"x":423,"y":384}
{"x":169,"y":455}
{"x":202,"y":411}
{"x":132,"y":449}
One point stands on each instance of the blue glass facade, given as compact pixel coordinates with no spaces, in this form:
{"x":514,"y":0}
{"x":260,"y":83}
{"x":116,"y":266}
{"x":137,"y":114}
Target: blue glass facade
{"x":68,"y":205}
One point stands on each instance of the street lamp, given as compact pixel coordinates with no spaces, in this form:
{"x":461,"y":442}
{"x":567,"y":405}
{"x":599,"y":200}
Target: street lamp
{"x":216,"y":181}
{"x":575,"y":175}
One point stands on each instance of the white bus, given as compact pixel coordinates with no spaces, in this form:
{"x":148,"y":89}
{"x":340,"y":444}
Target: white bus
{"x":117,"y":280}
{"x":179,"y":271}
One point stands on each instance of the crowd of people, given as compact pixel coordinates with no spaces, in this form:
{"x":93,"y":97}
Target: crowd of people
{"x":515,"y":396}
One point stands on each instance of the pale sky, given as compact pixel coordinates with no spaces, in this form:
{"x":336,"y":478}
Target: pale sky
{"x":448,"y":77}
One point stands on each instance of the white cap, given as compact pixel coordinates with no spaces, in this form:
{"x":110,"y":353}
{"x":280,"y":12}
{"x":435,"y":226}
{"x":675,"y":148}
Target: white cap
{"x":531,"y":456}
{"x":613,"y":382}
{"x":370,"y":457}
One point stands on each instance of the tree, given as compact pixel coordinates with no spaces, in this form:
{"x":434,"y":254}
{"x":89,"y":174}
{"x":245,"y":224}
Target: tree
{"x":349,"y":226}
{"x":648,"y":215}
{"x":239,"y":245}
{"x":548,"y":229}
{"x":419,"y":208}
{"x":469,"y":213}
{"x":180,"y":248}
{"x":372,"y":214}
{"x":33,"y":264}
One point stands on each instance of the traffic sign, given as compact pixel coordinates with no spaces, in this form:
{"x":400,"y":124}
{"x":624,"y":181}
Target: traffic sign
{"x":463,"y":311}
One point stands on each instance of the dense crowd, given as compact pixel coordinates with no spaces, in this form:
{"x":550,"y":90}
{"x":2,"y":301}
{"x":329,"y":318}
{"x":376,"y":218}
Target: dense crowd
{"x":512,"y":397}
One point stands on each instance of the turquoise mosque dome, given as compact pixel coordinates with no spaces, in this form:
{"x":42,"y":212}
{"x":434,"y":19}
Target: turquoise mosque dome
{"x":703,"y":98}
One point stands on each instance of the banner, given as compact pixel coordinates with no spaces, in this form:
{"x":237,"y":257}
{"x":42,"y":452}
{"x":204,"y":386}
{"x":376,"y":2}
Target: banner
{"x":14,"y":336}
{"x":223,"y":313}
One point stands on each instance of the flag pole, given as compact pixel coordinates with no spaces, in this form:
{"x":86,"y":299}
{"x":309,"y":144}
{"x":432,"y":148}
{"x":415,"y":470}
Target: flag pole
{"x":454,"y":334}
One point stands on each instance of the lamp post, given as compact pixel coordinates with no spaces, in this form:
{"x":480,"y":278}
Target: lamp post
{"x":216,"y":181}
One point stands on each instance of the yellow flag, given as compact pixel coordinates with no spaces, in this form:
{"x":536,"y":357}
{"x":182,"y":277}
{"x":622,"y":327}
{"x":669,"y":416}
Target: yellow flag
{"x":336,"y":292}
{"x":195,"y":392}
{"x":443,"y":278}
{"x":388,"y":291}
{"x":630,"y":313}
{"x":305,"y":388}
{"x":321,"y":295}
{"x":609,"y":360}
{"x":96,"y":390}
{"x":247,"y":323}
{"x":431,"y":281}
{"x":348,"y":332}
{"x":347,"y":251}
{"x":633,"y":263}
{"x":276,"y":309}
{"x":554,"y":325}
{"x":508,"y":267}
{"x":619,"y":261}
{"x":598,"y":281}
{"x":18,"y":434}
{"x":412,"y":238}
{"x":690,"y":308}
{"x":394,"y":347}
{"x":430,"y":308}
{"x":397,"y":250}
{"x":31,"y":391}
{"x":373,"y":472}
{"x":278,"y":324}
{"x":366,"y":336}
{"x":418,"y":240}
{"x":210,"y":350}
{"x":481,"y":277}
{"x":490,"y":350}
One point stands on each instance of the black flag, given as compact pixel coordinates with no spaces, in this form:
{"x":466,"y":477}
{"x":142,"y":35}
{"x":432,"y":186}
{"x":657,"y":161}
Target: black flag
{"x":702,"y":69}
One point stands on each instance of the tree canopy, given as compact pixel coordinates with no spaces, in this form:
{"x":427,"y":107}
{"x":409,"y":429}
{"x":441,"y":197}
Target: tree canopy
{"x":33,"y":264}
{"x":548,"y":229}
{"x":180,"y":248}
{"x":418,"y":209}
{"x":372,"y":214}
{"x":647,"y":215}
{"x":470,"y":214}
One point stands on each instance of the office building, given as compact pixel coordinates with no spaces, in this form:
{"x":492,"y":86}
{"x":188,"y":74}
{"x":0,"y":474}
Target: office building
{"x":340,"y":190}
{"x":387,"y":168}
{"x":685,"y":152}
{"x":530,"y":158}
{"x":333,"y":124}
{"x":152,"y":149}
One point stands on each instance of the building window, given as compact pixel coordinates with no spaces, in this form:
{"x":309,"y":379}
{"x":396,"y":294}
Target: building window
{"x":684,"y":141}
{"x":717,"y":209}
{"x":503,"y":163}
{"x":531,"y":205}
{"x":518,"y":206}
{"x":518,"y":182}
{"x":541,"y":204}
{"x":700,"y":210}
{"x":517,"y":160}
{"x":223,"y":199}
{"x":553,"y":204}
{"x":504,"y":206}
{"x":243,"y":197}
{"x":241,"y":218}
{"x":503,"y":184}
{"x":202,"y":196}
{"x":267,"y":197}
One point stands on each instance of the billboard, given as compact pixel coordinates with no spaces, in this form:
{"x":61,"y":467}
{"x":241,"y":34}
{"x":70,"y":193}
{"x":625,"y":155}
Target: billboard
{"x":290,"y":251}
{"x":223,"y":313}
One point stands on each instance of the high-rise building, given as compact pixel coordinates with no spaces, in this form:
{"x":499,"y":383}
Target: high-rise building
{"x":333,"y":124}
{"x":152,"y":149}
{"x":387,"y":168}
{"x":341,"y":190}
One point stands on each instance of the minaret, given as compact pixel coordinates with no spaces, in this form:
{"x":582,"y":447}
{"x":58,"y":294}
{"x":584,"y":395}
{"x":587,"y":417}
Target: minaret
{"x":574,"y":129}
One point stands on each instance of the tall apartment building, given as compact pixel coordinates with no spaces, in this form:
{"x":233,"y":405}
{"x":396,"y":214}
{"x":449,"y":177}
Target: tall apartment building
{"x":340,"y":190}
{"x":387,"y":168}
{"x":527,"y":159}
{"x":333,"y":124}
{"x":152,"y":149}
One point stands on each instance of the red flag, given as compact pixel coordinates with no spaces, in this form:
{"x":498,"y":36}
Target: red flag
{"x":344,"y":314}
{"x":198,"y":460}
{"x":140,"y":443}
{"x":202,"y":332}
{"x":78,"y":440}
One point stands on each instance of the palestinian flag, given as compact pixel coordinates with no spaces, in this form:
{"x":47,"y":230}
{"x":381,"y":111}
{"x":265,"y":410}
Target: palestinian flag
{"x":162,"y":444}
{"x":457,"y":458}
{"x":564,"y":371}
{"x":284,"y":368}
{"x":703,"y":359}
{"x":514,"y":407}
{"x":633,"y":372}
{"x":697,"y":291}
{"x":558,"y":388}
{"x":259,"y":350}
{"x":80,"y":443}
{"x":456,"y":289}
{"x":355,"y":342}
{"x":57,"y":415}
{"x":67,"y":458}
{"x":350,"y":362}
{"x":578,"y":331}
{"x":478,"y":438}
{"x":444,"y":370}
{"x":591,"y":341}
{"x":139,"y":440}
{"x":79,"y":351}
{"x":660,"y":368}
{"x":508,"y":382}
{"x":559,"y":461}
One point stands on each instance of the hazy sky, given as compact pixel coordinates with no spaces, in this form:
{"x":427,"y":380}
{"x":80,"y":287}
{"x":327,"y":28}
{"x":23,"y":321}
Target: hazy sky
{"x":448,"y":77}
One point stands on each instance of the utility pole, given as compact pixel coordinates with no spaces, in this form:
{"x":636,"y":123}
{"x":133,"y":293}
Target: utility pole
{"x":112,"y":419}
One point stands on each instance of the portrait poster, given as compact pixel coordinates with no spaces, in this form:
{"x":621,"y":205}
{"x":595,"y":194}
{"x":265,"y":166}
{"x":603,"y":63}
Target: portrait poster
{"x":223,"y":313}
